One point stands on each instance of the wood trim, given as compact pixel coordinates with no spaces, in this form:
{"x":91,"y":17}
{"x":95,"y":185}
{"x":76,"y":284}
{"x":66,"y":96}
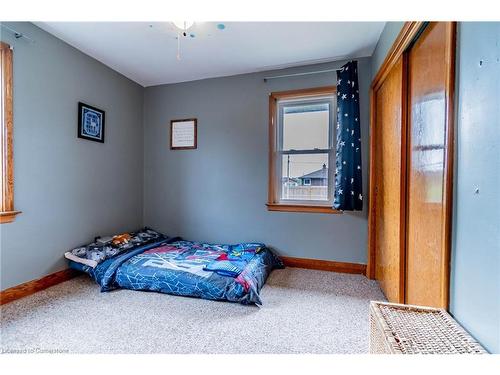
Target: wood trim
{"x":404,"y":40}
{"x":8,"y":216}
{"x":316,"y":91}
{"x":370,"y":267}
{"x":7,"y":212}
{"x":451,"y":31}
{"x":273,"y":204}
{"x":271,"y":188}
{"x":31,"y":287}
{"x":403,"y":183}
{"x":302,"y":208}
{"x":195,"y":146}
{"x":324,"y":265}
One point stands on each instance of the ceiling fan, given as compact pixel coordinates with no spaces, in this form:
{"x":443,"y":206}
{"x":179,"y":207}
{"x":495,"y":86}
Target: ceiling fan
{"x":182,"y":28}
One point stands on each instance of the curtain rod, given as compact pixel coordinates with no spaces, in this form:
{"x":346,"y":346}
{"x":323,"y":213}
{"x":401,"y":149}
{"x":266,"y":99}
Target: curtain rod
{"x":301,"y":74}
{"x":17,"y":34}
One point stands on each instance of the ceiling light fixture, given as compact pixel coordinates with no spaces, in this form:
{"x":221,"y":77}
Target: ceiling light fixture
{"x":182,"y":27}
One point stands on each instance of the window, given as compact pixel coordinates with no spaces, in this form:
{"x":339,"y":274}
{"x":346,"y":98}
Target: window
{"x":302,"y":150}
{"x":7,"y":212}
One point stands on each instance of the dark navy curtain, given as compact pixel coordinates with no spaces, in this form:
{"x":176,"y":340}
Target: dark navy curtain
{"x":348,"y":184}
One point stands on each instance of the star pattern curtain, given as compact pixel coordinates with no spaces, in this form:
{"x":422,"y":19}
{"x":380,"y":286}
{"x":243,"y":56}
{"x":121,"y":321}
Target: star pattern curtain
{"x":348,"y":181}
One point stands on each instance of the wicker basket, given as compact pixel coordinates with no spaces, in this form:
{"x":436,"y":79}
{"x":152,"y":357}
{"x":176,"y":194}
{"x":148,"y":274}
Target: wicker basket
{"x":407,"y":329}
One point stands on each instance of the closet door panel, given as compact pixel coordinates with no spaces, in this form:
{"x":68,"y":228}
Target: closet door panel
{"x":389,"y":259}
{"x":427,"y":168}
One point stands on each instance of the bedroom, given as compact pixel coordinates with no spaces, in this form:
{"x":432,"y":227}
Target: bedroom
{"x":228,"y":138}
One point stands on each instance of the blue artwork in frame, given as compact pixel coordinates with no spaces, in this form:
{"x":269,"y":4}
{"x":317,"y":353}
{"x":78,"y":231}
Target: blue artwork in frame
{"x":90,"y":123}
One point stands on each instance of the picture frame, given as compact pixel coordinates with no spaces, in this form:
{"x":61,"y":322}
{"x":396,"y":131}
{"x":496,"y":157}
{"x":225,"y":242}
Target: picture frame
{"x":184,"y":134}
{"x":91,"y":121}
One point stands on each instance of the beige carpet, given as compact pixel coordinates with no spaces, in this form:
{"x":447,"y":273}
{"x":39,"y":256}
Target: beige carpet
{"x":304,"y":311}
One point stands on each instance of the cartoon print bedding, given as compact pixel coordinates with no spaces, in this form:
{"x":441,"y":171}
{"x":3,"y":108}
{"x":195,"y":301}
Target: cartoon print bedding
{"x":108,"y":247}
{"x":169,"y":265}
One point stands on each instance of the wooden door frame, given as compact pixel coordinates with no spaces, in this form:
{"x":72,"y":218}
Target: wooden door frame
{"x":408,"y":34}
{"x":451,"y":53}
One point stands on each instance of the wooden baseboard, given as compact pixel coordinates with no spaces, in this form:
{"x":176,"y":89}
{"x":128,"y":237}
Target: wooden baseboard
{"x":325,"y":265}
{"x":30,"y":287}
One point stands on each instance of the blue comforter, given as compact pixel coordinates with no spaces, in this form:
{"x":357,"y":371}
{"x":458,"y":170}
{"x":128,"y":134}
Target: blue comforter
{"x":212,"y":271}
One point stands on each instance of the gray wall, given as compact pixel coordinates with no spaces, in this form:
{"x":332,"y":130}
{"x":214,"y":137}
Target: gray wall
{"x":475,"y":258}
{"x":387,"y":38}
{"x":475,"y":277}
{"x":69,"y":189}
{"x":218,"y":192}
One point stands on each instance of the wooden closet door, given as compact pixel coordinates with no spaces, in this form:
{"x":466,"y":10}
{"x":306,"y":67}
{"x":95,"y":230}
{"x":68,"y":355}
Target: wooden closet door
{"x":430,"y":90}
{"x":389,"y":196}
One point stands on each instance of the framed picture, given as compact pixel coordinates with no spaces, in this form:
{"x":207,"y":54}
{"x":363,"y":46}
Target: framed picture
{"x":183,"y":134}
{"x":90,"y":123}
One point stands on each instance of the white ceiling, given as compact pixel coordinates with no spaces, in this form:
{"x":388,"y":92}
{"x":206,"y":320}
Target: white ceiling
{"x":146,"y":52}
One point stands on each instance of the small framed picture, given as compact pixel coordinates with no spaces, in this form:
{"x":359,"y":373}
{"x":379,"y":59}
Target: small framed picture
{"x":90,"y":123}
{"x":183,"y":134}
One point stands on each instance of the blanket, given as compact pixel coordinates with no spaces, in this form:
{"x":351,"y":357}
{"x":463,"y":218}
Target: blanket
{"x":189,"y":268}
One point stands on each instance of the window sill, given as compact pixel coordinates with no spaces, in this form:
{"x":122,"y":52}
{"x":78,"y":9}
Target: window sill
{"x":8,"y":216}
{"x":302,"y":208}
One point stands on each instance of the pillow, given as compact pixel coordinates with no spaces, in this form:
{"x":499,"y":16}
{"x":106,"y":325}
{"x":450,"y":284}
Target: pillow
{"x":107,"y":247}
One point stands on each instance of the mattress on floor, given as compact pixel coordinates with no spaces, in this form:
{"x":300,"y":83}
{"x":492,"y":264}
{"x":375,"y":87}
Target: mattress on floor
{"x":181,"y":268}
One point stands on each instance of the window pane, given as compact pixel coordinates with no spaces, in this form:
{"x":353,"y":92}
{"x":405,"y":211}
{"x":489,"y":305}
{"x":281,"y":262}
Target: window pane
{"x":305,"y":126}
{"x":304,"y":177}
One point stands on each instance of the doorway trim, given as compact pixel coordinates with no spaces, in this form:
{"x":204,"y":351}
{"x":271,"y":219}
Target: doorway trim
{"x":408,"y":34}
